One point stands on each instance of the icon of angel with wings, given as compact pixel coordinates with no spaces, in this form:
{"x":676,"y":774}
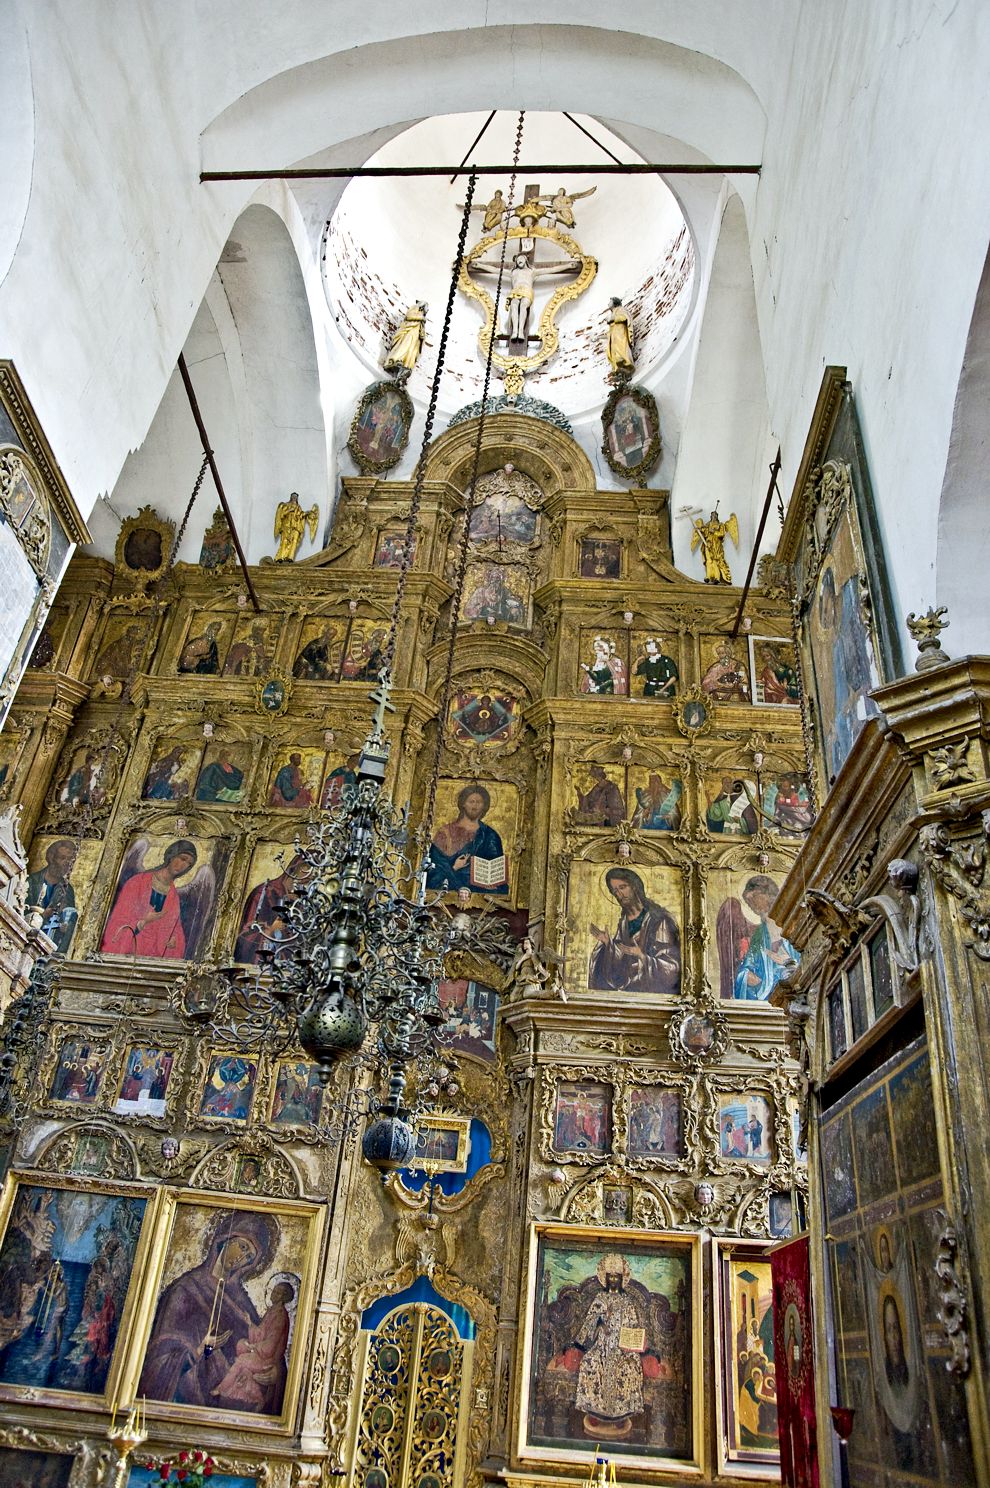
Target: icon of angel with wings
{"x":164,"y":903}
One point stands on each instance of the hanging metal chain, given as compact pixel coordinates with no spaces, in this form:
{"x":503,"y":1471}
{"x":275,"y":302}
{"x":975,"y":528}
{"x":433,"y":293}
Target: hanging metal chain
{"x":419,"y":477}
{"x":462,"y":556}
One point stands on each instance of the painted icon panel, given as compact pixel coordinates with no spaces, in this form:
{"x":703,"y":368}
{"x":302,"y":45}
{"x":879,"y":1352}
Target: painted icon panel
{"x":252,"y":650}
{"x":295,"y":779}
{"x":497,"y":591}
{"x":601,"y":795}
{"x":149,"y":1477}
{"x":503,"y":514}
{"x":265,"y":1256}
{"x":321,"y":649}
{"x":380,"y":430}
{"x":842,"y":649}
{"x":61,"y":871}
{"x":443,"y":1143}
{"x":67,"y":1254}
{"x":748,"y":951}
{"x":340,"y":780}
{"x":121,"y":648}
{"x":655,"y":1122}
{"x":228,"y":1089}
{"x":612,"y":1354}
{"x":473,"y":842}
{"x":223,"y":776}
{"x":582,"y":1118}
{"x":732,"y":804}
{"x":205,"y":647}
{"x":602,"y":666}
{"x":390,"y":549}
{"x":173,"y":770}
{"x":775,"y":672}
{"x":165,"y":902}
{"x":145,"y":1081}
{"x":624,"y":928}
{"x":79,"y":1071}
{"x":653,"y":669}
{"x":364,"y":652}
{"x":725,"y":670}
{"x":34,"y":1469}
{"x":298,"y":1094}
{"x":655,"y":798}
{"x":483,"y":717}
{"x":745,"y":1126}
{"x":749,"y":1386}
{"x":601,"y":558}
{"x":631,"y":434}
{"x":471,"y":1010}
{"x":271,"y":882}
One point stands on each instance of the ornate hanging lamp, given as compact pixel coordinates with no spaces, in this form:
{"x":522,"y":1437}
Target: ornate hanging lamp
{"x":361,"y":959}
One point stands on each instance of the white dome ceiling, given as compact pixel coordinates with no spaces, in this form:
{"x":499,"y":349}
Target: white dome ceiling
{"x":392,"y":241}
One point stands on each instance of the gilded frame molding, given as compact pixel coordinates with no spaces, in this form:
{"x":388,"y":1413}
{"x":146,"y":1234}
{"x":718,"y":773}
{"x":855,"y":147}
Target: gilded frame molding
{"x":613,"y":1236}
{"x":724,"y":1249}
{"x":369,"y":397}
{"x":171,"y":1201}
{"x":646,"y":401}
{"x":120,"y":1364}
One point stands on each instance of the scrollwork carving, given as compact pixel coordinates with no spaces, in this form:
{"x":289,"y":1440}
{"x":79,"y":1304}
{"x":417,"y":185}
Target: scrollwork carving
{"x":961,"y":872}
{"x":952,"y":1301}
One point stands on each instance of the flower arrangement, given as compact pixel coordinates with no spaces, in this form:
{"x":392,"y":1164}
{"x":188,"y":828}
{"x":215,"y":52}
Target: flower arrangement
{"x":189,"y":1468}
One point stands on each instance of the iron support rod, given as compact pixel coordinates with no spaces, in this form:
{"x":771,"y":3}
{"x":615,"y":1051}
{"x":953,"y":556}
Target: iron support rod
{"x":589,"y":135}
{"x":357,"y":172}
{"x":208,"y":452}
{"x":471,"y":146}
{"x":774,"y":472}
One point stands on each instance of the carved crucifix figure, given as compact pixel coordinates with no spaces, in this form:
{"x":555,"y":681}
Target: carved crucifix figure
{"x":519,"y":303}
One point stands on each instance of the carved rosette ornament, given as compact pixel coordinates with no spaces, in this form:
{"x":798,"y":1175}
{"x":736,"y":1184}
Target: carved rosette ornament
{"x":698,"y":1033}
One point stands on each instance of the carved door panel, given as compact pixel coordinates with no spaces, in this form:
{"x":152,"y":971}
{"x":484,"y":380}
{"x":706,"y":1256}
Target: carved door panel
{"x":410,"y":1429}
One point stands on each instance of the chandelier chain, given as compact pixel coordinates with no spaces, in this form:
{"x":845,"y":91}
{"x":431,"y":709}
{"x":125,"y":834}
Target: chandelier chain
{"x":419,"y":478}
{"x":429,"y":809}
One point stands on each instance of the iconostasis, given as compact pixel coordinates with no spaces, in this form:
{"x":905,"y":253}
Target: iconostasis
{"x":583,"y":1256}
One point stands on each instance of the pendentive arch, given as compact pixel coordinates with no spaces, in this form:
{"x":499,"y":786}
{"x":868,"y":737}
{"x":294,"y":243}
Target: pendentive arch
{"x":252,"y":358}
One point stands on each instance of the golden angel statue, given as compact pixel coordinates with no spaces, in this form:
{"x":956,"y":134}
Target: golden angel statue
{"x":619,"y":348}
{"x":561,"y":206}
{"x":710,"y":537}
{"x":494,"y":210}
{"x":290,"y":524}
{"x":407,"y":342}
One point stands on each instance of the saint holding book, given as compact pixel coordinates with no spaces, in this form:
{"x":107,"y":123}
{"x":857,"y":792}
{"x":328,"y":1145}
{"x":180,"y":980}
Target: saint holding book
{"x":467,"y":853}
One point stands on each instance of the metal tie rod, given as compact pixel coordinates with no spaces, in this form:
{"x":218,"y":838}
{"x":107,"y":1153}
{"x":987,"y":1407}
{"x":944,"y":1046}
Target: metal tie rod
{"x":356,"y":172}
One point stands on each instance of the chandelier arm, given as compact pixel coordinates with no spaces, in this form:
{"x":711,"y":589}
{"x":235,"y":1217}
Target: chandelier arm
{"x":429,"y":810}
{"x":419,"y":478}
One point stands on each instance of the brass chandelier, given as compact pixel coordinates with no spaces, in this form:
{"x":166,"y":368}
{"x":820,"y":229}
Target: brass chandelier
{"x":355,"y":973}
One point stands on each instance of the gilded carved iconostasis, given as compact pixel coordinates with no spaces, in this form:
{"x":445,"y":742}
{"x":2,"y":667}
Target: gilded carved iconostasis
{"x":622,"y":790}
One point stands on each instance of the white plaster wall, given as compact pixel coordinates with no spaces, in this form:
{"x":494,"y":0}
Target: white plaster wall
{"x":723,"y":446}
{"x":870,"y":229}
{"x":252,"y":360}
{"x":162,"y":472}
{"x":17,"y":154}
{"x":964,"y":511}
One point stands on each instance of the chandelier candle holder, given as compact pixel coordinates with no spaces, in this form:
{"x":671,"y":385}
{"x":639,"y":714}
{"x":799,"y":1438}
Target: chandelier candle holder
{"x":126,"y":1438}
